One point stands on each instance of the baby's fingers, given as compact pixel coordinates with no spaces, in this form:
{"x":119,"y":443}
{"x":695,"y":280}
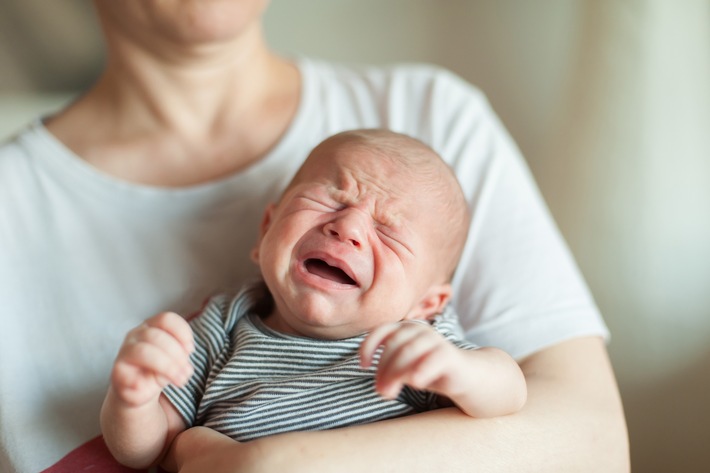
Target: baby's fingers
{"x":401,"y":363}
{"x":134,"y":385}
{"x":174,"y":325}
{"x":168,"y":332}
{"x":162,"y":359}
{"x":155,"y":353}
{"x":428,"y":370}
{"x":373,"y":341}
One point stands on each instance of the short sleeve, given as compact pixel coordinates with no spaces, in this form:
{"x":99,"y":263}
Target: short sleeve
{"x":447,"y":324}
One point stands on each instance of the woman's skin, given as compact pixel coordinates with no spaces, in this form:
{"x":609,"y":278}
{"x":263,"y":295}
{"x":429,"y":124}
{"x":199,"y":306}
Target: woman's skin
{"x":196,"y":94}
{"x":193,"y":91}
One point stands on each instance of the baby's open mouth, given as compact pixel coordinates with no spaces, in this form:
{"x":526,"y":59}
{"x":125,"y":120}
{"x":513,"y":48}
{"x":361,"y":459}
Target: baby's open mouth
{"x":326,"y":271}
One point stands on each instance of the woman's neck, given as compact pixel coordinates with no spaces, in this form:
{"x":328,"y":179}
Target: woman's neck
{"x":188,"y":92}
{"x":159,"y":120}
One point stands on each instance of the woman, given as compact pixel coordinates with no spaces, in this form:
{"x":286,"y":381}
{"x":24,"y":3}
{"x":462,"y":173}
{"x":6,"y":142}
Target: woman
{"x":139,"y":193}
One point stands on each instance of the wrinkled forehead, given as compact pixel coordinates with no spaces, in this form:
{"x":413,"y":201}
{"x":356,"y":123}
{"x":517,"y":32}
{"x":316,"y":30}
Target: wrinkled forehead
{"x":357,"y":167}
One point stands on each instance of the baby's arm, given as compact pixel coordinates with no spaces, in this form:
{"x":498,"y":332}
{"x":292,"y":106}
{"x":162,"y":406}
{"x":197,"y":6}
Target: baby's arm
{"x":138,"y":423}
{"x":486,"y":382}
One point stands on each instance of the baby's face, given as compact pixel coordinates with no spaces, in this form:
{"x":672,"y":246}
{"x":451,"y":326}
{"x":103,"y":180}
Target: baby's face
{"x":349,"y":247}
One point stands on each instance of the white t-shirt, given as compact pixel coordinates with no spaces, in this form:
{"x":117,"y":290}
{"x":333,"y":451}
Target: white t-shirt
{"x":84,"y":257}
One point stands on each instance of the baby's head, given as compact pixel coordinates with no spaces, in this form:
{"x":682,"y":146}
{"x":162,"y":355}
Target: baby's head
{"x":369,"y":231}
{"x":405,"y":169}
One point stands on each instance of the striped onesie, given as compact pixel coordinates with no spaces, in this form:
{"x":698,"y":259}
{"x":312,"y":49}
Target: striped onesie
{"x":251,"y":381}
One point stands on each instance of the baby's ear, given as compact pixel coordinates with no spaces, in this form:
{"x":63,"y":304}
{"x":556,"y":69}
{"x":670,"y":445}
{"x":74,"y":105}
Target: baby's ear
{"x":263,"y":228}
{"x":432,"y":303}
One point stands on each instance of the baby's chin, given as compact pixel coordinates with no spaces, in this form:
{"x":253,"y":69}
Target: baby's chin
{"x":312,"y":317}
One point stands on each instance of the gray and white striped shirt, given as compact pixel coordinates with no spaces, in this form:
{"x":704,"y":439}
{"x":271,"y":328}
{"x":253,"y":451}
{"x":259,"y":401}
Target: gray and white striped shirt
{"x":251,"y":381}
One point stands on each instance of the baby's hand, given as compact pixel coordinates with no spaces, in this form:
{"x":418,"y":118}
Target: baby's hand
{"x":154,"y":354}
{"x":413,"y":354}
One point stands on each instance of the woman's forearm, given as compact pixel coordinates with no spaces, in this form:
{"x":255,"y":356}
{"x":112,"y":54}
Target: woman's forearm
{"x":573,"y":422}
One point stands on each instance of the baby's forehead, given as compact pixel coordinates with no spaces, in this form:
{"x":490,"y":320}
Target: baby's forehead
{"x":371,"y":161}
{"x":404,"y":168}
{"x":366,"y":174}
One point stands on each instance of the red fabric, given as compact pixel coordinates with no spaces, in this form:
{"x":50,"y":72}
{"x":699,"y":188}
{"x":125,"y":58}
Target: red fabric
{"x":92,"y":457}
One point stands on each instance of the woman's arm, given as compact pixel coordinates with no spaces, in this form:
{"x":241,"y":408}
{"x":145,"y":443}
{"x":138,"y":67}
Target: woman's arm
{"x":573,"y":422}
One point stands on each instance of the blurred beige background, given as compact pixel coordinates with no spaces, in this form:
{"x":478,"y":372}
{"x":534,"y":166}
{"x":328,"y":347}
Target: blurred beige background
{"x":609,"y":101}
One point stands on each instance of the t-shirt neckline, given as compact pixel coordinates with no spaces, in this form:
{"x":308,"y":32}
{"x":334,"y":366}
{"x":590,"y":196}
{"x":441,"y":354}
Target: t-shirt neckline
{"x":74,"y":171}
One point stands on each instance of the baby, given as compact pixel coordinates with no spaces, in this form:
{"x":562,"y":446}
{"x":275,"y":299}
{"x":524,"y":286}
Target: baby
{"x":350,"y":324}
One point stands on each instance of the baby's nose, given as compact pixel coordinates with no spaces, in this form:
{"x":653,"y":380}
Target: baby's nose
{"x":349,"y":227}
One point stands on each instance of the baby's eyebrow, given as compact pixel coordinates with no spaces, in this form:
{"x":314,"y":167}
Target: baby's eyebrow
{"x":388,"y":216}
{"x":341,"y":196}
{"x":384,"y":208}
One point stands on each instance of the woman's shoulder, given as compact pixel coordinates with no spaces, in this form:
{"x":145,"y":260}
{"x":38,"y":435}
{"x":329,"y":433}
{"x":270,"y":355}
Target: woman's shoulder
{"x":18,"y":153}
{"x":423,"y":100}
{"x":394,"y":75}
{"x":11,"y":145}
{"x":27,"y":143}
{"x":419,"y":70}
